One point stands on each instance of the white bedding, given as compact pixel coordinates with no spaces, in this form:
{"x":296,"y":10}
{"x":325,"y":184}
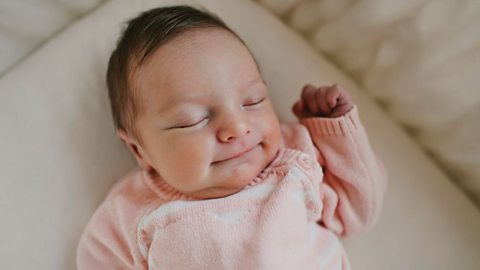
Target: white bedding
{"x":60,"y":155}
{"x":26,"y":24}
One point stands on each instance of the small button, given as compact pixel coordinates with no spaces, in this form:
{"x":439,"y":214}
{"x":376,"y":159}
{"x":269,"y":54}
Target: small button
{"x":305,"y":161}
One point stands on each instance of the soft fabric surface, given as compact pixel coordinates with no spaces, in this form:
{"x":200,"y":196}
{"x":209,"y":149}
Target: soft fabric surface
{"x":420,"y":59}
{"x":60,"y":154}
{"x":26,"y":24}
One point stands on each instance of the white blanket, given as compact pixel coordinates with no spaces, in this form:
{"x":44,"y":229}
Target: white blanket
{"x":26,"y":24}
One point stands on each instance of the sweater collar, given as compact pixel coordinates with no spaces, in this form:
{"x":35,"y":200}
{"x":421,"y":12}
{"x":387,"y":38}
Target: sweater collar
{"x":165,"y":191}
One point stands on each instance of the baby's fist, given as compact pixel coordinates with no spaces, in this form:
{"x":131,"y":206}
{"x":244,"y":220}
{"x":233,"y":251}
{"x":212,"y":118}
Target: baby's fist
{"x":325,"y":101}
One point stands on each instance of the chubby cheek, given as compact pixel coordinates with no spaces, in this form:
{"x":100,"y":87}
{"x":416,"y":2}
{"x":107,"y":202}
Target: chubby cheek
{"x":184,"y":161}
{"x":270,"y":127}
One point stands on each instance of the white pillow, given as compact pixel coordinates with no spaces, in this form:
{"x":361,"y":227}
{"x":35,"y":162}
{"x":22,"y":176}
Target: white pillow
{"x":26,"y":24}
{"x":59,"y":153}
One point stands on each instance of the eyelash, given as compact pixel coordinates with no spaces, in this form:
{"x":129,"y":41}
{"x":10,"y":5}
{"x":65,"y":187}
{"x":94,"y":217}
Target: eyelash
{"x":205,"y":118}
{"x":255,"y":102}
{"x":190,"y":125}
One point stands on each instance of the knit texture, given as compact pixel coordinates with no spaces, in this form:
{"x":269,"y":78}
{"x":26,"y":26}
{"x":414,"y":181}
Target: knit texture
{"x":324,"y":183}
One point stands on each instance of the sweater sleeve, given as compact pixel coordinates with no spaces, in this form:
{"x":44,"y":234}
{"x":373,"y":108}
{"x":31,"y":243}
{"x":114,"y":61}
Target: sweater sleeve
{"x":354,"y":179}
{"x":110,"y":238}
{"x":107,"y":242}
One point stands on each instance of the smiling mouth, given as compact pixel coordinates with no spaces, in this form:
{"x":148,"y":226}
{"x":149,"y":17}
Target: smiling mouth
{"x":237,"y":155}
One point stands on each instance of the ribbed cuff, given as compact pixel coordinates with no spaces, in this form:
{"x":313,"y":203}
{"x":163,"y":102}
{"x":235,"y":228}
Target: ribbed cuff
{"x":338,"y":126}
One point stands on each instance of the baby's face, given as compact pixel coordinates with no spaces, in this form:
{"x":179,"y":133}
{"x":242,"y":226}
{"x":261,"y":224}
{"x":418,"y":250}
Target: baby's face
{"x":207,"y":124}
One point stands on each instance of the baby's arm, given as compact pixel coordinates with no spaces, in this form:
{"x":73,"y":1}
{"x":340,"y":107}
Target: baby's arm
{"x":354,"y":180}
{"x":109,"y":240}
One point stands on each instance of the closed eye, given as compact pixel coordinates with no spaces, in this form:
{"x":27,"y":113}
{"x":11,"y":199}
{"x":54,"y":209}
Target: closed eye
{"x":190,"y":125}
{"x":255,"y":102}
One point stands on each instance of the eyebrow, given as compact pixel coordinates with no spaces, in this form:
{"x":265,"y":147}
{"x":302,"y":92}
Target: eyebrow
{"x":175,"y":99}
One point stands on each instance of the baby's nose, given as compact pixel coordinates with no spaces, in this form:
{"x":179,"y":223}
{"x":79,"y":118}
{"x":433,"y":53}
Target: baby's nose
{"x":233,"y":128}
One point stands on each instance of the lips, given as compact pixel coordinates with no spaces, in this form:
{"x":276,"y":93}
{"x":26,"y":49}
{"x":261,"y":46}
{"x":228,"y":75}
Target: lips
{"x":236,"y":155}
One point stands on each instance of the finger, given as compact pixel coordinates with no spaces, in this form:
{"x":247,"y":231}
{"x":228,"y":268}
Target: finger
{"x":346,"y":98}
{"x":344,"y":95}
{"x":332,"y":96}
{"x":308,"y":97}
{"x":341,"y":110}
{"x":322,"y":101}
{"x":307,"y":88}
{"x":344,"y":105}
{"x":298,"y":109}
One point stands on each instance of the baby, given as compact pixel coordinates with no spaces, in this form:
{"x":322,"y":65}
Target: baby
{"x":221,"y":184}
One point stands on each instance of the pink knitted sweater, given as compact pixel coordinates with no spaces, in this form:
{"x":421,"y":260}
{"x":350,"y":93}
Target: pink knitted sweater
{"x":325,"y":182}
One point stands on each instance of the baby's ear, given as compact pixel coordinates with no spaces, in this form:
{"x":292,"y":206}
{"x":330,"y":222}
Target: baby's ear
{"x":135,"y":148}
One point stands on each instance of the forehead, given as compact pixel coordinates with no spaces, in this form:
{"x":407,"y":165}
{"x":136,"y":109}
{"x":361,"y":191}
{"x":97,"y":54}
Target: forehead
{"x":199,"y":62}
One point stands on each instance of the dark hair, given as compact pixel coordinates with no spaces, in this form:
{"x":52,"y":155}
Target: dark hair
{"x":142,"y":36}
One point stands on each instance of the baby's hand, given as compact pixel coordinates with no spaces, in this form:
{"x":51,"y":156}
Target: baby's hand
{"x":325,"y":101}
